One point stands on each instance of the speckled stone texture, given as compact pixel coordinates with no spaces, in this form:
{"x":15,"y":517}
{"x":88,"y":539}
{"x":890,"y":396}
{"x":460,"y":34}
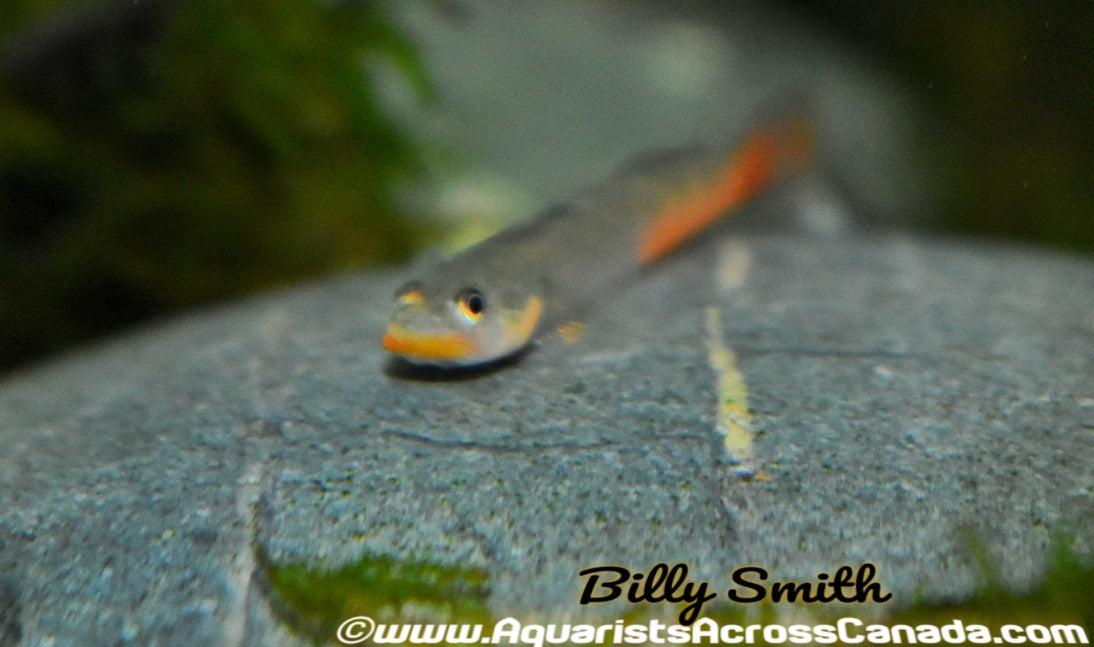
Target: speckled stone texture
{"x":907,"y":395}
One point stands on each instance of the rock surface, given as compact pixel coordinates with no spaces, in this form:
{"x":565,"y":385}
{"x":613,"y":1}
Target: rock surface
{"x":906,"y":394}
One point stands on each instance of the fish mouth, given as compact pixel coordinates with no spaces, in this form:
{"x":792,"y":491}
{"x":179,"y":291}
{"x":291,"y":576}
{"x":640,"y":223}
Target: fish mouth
{"x":425,"y":346}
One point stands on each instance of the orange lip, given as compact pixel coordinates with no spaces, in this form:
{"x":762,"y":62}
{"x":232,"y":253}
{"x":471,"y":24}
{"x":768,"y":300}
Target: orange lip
{"x":404,"y":342}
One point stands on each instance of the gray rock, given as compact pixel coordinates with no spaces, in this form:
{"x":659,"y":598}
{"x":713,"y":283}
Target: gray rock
{"x":905,"y":394}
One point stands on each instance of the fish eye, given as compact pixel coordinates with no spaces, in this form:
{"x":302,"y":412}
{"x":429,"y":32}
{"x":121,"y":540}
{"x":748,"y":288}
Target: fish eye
{"x":471,"y":304}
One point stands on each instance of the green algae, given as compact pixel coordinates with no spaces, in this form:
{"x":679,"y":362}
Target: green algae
{"x":312,"y":601}
{"x":1065,"y":597}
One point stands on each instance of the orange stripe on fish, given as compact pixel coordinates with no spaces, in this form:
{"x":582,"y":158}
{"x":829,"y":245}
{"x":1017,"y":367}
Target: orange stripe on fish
{"x":765,"y":156}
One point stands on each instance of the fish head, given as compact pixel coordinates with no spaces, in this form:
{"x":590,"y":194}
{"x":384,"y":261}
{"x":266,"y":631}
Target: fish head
{"x":461,"y":324}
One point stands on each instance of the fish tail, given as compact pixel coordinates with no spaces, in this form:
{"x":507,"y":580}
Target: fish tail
{"x":773,"y":149}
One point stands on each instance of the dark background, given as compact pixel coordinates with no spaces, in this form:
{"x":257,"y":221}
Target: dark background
{"x":162,"y":154}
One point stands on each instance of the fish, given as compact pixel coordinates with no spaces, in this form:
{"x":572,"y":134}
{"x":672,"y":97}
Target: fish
{"x":489,"y":302}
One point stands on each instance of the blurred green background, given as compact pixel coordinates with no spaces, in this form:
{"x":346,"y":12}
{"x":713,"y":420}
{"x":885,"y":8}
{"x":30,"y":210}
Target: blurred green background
{"x":161,"y":154}
{"x":1010,"y":90}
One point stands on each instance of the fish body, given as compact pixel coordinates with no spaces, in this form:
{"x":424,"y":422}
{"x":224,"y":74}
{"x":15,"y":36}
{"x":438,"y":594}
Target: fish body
{"x":490,"y":300}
